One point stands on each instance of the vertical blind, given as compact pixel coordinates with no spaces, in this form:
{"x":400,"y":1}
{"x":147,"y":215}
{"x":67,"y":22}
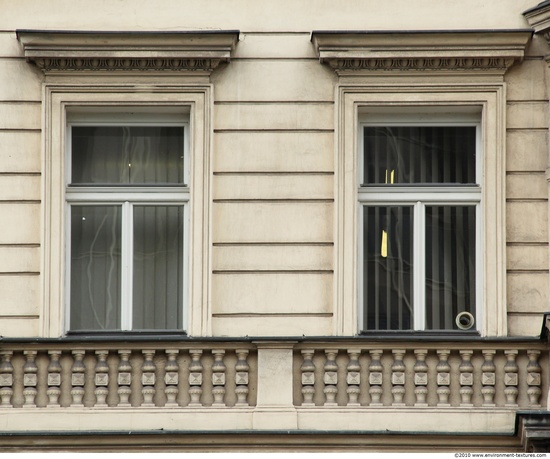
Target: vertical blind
{"x":440,"y":156}
{"x":419,"y":154}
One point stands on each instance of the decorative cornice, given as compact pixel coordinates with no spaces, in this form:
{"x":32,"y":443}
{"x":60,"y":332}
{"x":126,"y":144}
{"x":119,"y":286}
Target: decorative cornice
{"x":197,"y":52}
{"x":539,"y":19}
{"x":352,"y":53}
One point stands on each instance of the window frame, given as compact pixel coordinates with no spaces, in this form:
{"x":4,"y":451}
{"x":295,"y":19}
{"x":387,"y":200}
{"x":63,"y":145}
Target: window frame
{"x":488,"y":99}
{"x":62,"y":99}
{"x":127,"y":197}
{"x":418,"y":197}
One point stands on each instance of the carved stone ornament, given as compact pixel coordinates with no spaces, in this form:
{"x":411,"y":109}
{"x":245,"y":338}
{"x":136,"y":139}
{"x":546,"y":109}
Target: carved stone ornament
{"x":475,"y":51}
{"x":72,"y":51}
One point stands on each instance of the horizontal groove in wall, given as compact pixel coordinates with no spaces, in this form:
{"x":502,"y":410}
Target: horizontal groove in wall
{"x":22,"y":246}
{"x":283,"y":201}
{"x":272,"y":314}
{"x":245,"y":131}
{"x":526,"y":313}
{"x":32,"y":316}
{"x":18,"y":201}
{"x":526,"y":172}
{"x":273,"y":271}
{"x":274,"y":173}
{"x":527,"y":244}
{"x":526,"y":101}
{"x":275,"y":59}
{"x":19,"y":273}
{"x":526,"y":129}
{"x":273,"y":244}
{"x":274,"y":102}
{"x":21,"y":102}
{"x":527,"y":271}
{"x":526,"y":200}
{"x":19,"y":130}
{"x":276,"y":32}
{"x":20,"y":174}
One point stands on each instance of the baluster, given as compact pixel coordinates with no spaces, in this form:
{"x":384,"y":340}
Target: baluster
{"x":6,"y":379}
{"x":54,"y":379}
{"x":443,"y":377}
{"x":124,"y":378}
{"x":375,"y":378}
{"x":78,"y":378}
{"x":466,"y":370}
{"x":101,"y":378}
{"x":195,"y":377}
{"x":241,"y":377}
{"x":511,"y":378}
{"x":171,"y":378}
{"x":488,"y":378}
{"x":398,"y":377}
{"x":30,"y":379}
{"x":534,"y":378}
{"x":353,"y":377}
{"x":148,"y":378}
{"x":330,"y":378}
{"x":421,"y":377}
{"x":218,"y":377}
{"x":308,"y":377}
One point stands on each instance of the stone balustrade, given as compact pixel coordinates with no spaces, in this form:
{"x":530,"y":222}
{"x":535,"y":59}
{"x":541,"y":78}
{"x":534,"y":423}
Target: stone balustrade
{"x":340,"y":374}
{"x":108,"y":376}
{"x":442,"y":375}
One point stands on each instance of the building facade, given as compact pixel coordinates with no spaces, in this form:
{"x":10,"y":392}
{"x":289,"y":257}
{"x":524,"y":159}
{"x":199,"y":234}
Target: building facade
{"x":235,"y":225}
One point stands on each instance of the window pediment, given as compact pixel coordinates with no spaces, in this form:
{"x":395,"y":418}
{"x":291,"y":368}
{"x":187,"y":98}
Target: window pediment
{"x":70,"y":51}
{"x":357,"y":52}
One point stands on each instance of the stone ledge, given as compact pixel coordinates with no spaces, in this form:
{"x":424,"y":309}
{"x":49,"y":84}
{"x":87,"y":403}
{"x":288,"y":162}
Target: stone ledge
{"x":463,"y":51}
{"x":61,"y":51}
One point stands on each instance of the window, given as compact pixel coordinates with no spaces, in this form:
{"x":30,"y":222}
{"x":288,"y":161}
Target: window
{"x":419,"y":219}
{"x":89,"y":79}
{"x":396,"y":77}
{"x":127,"y":203}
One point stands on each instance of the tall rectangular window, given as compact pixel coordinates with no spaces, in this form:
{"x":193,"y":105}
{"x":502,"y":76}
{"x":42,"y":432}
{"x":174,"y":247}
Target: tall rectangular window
{"x":127,"y":195}
{"x":419,"y":199}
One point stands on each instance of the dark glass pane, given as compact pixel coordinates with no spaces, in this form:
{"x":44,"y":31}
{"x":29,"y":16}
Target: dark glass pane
{"x":95,"y":267}
{"x":450,"y":265}
{"x":127,"y":155}
{"x":158,"y":268}
{"x":388,"y":268}
{"x":419,"y":154}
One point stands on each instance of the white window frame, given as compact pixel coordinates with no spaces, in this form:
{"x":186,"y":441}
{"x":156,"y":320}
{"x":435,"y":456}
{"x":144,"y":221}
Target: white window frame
{"x":418,"y":197}
{"x":127,"y":197}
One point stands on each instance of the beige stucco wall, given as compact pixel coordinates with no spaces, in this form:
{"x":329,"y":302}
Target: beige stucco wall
{"x":273,"y":212}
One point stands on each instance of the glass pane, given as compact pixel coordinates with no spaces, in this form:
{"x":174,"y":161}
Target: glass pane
{"x":419,"y":154}
{"x":388,"y":268}
{"x":95,"y":267}
{"x":450,"y":265}
{"x":158,"y":268}
{"x":127,"y":155}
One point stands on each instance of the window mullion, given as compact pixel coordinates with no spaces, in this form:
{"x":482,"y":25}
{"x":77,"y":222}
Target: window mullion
{"x":127,"y":266}
{"x":419,"y":264}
